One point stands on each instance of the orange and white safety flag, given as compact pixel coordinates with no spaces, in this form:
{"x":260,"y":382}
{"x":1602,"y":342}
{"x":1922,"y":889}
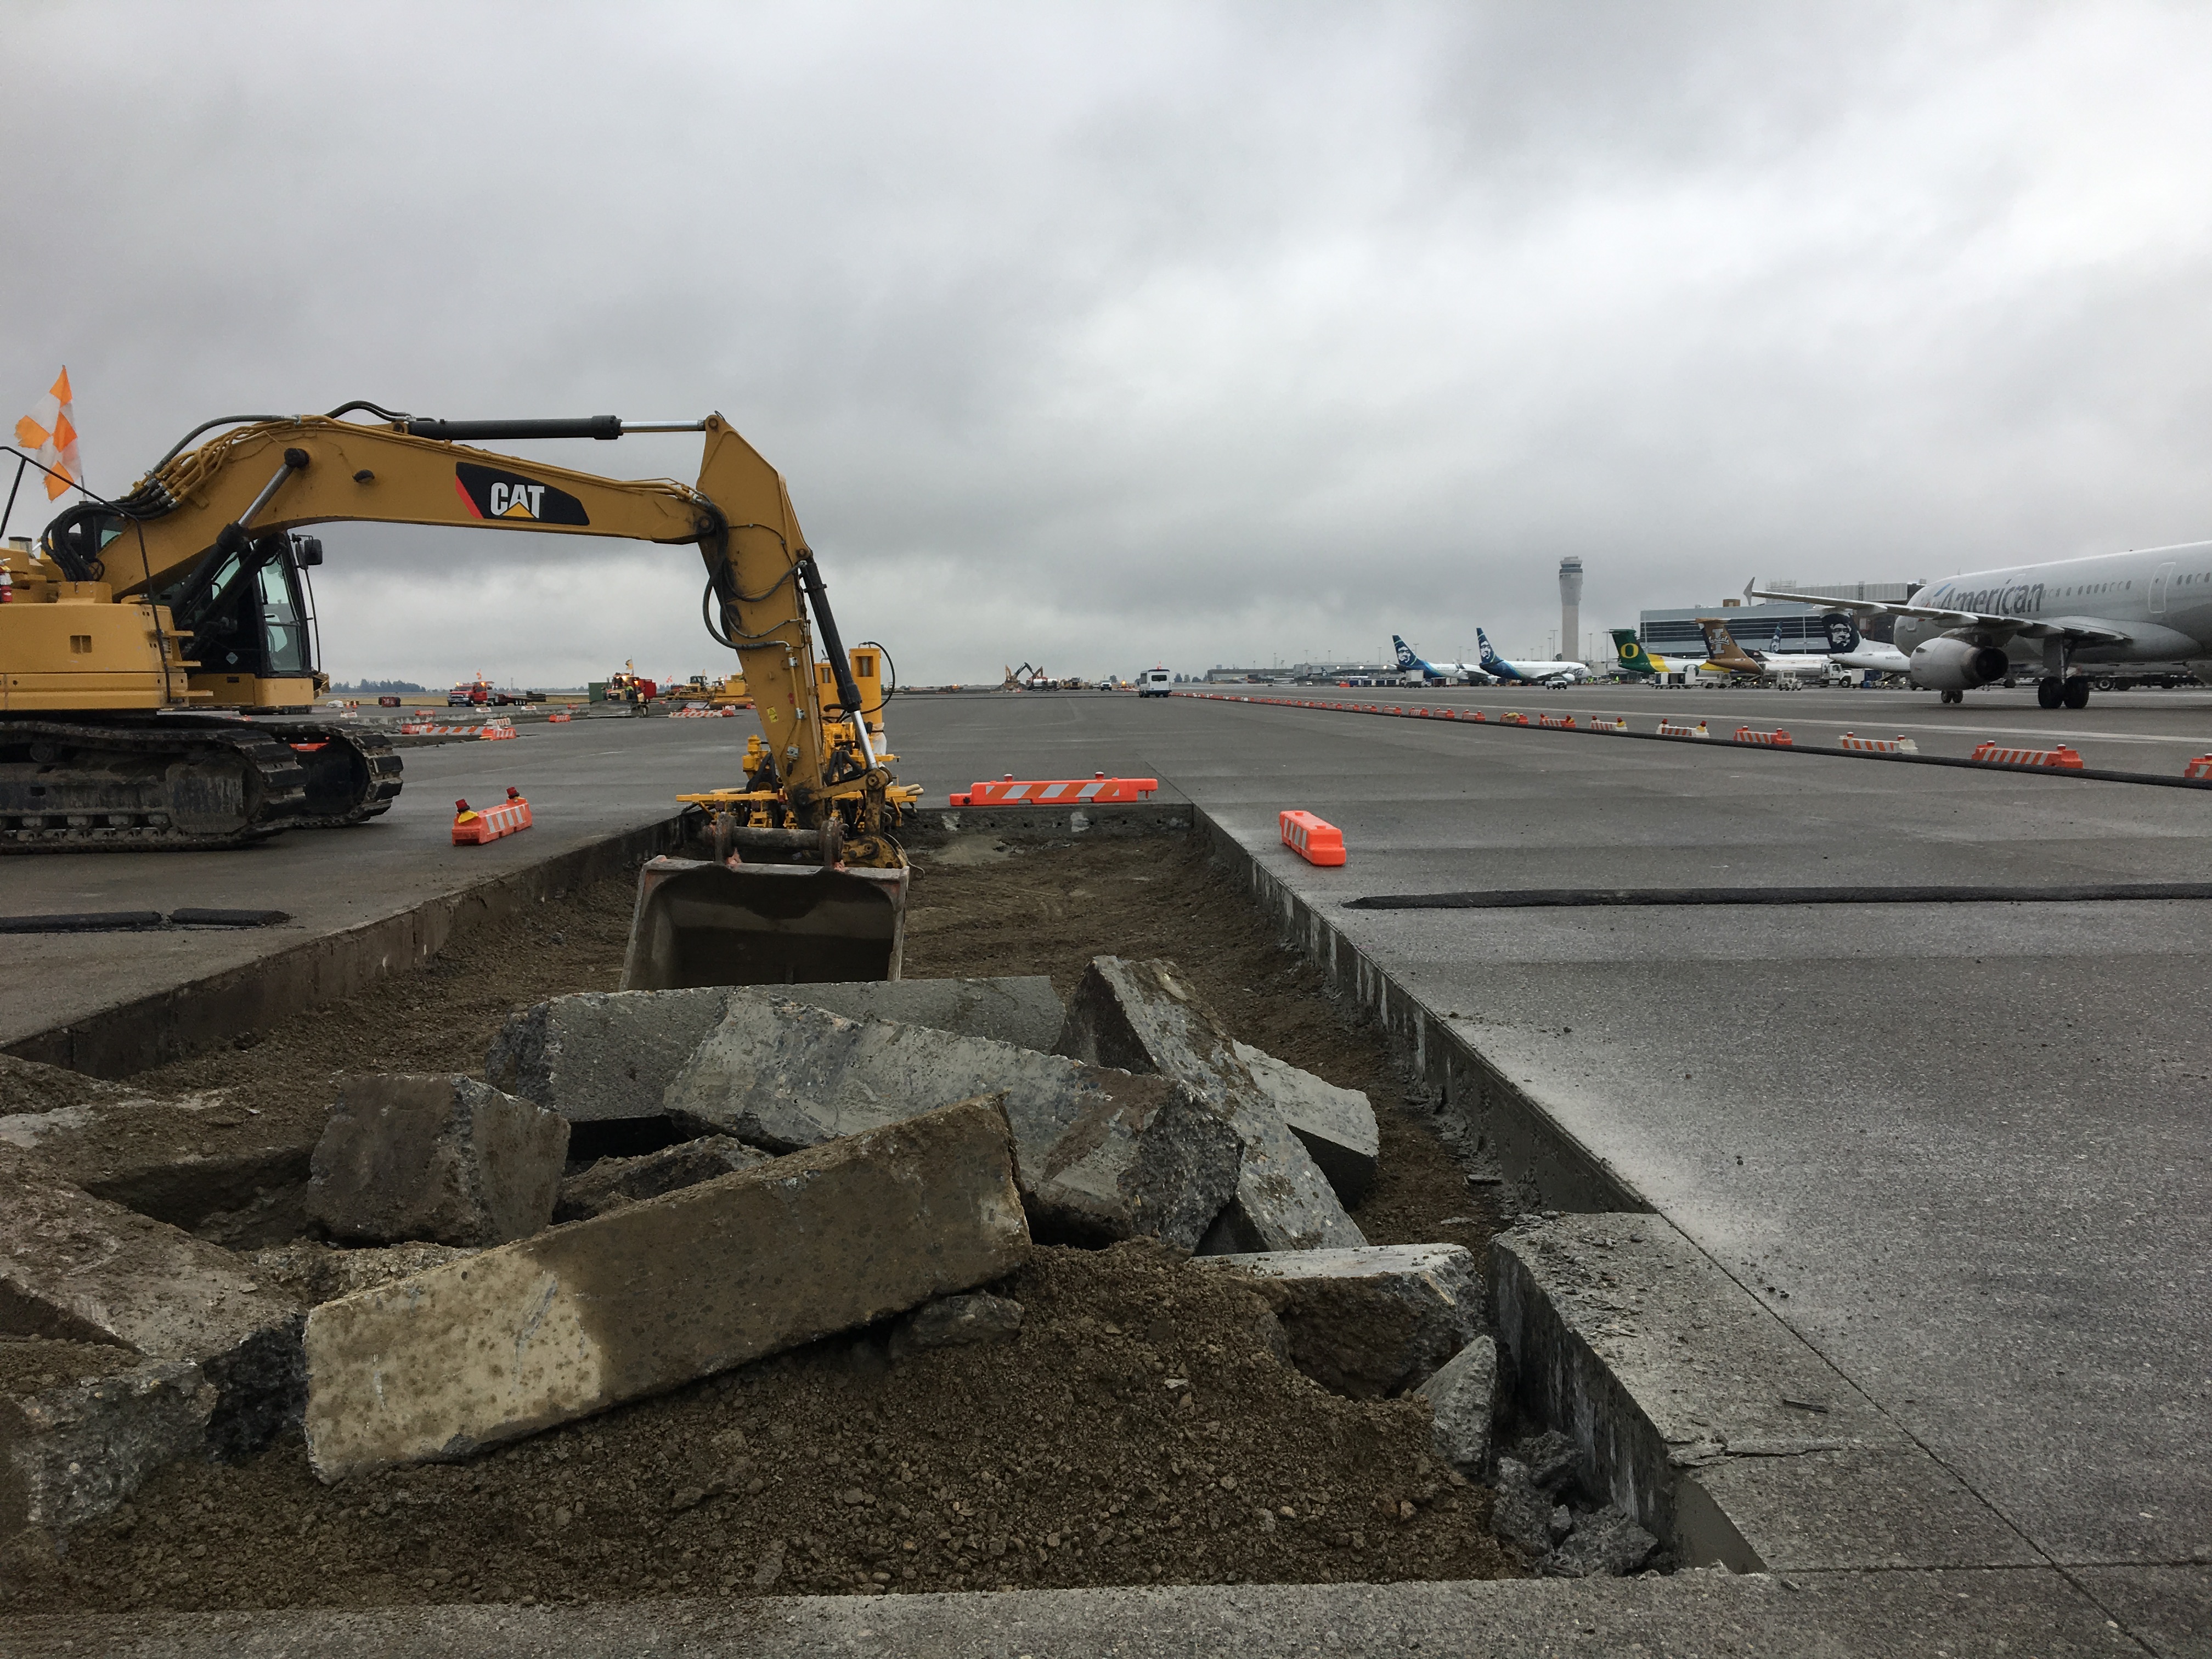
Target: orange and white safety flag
{"x":50,"y":433}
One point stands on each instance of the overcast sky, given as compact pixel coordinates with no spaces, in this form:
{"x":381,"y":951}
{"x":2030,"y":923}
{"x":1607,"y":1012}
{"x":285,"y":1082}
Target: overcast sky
{"x":1099,"y":337}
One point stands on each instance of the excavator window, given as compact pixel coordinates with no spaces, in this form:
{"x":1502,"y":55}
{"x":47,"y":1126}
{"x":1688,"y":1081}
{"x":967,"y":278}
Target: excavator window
{"x":246,"y":616}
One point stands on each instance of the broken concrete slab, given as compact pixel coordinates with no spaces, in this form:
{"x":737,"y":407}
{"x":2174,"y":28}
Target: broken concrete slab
{"x":575,"y":1319}
{"x":601,"y":1054}
{"x":1740,"y":1447}
{"x":614,"y":1182}
{"x":83,"y":1269}
{"x":310,"y":1270}
{"x":954,"y":1321}
{"x":181,"y":1159}
{"x":1462,"y":1396}
{"x":1140,"y":1016}
{"x":73,"y":1449}
{"x":1603,"y":1544}
{"x":597,"y":1055}
{"x":441,"y":1158}
{"x":1337,"y":1125}
{"x":1372,"y":1322}
{"x":1101,"y":1155}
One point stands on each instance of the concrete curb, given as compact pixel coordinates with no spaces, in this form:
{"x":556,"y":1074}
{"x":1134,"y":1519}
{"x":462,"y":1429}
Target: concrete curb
{"x":933,"y":824}
{"x":132,"y":1036}
{"x":1561,"y":1172}
{"x":1692,"y":1613}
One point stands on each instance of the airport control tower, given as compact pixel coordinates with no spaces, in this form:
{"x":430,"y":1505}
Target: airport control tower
{"x":1570,"y":609}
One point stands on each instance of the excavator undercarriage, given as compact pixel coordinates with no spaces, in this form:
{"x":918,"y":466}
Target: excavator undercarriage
{"x":184,"y":782}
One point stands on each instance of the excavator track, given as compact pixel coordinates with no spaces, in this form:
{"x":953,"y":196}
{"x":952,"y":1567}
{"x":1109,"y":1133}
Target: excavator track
{"x":352,"y":775}
{"x":89,"y":786}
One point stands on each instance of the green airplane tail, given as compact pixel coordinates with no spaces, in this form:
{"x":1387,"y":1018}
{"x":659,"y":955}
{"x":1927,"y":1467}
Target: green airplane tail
{"x":1631,"y":651}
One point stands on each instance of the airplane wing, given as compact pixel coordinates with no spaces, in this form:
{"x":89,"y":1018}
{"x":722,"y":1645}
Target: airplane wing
{"x":2073,"y":628}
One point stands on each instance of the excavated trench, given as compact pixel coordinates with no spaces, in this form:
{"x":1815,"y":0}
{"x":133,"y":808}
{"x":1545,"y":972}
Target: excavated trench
{"x":1139,"y":1429}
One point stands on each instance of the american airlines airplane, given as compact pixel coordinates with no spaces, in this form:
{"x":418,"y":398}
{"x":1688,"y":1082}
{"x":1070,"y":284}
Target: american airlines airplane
{"x":1410,"y":663}
{"x":2151,"y":605}
{"x":1528,"y":673}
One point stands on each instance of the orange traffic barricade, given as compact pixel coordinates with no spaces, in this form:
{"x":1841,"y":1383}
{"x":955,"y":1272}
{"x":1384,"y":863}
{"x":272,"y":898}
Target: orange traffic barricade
{"x":1011,"y":791}
{"x":1311,"y":839}
{"x":473,"y":828}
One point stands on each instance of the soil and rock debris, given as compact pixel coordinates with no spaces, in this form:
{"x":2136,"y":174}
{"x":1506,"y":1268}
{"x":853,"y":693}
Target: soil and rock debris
{"x":1140,"y":1426}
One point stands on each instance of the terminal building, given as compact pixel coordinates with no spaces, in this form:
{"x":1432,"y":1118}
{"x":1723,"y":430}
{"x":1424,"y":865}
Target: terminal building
{"x":1768,"y":627}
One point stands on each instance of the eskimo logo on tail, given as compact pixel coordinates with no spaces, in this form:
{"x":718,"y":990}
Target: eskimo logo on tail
{"x":1482,"y":643}
{"x":1842,"y":633}
{"x":1406,"y":658}
{"x":493,"y":494}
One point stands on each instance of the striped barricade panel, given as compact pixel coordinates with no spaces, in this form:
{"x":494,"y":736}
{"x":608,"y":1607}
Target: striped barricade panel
{"x":1513,"y":720}
{"x":2063,"y":757}
{"x":1776,"y":739}
{"x":1557,"y":722}
{"x":2199,"y":767}
{"x":1669,"y":729}
{"x":1859,"y":745}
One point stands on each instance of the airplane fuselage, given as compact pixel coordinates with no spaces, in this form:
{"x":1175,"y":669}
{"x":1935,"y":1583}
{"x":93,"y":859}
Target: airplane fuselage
{"x":2160,"y":597}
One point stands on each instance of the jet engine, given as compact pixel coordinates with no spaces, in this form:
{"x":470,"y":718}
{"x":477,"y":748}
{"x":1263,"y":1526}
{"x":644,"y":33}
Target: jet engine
{"x":1953,"y":665}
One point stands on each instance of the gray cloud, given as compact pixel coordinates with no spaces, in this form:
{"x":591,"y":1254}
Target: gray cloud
{"x":1112,"y":335}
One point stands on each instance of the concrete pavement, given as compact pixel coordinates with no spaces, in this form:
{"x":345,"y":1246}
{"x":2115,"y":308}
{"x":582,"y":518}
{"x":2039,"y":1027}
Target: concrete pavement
{"x":1958,"y":1150}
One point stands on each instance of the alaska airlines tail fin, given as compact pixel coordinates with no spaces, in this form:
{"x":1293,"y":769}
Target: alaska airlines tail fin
{"x":1633,"y":657}
{"x":1407,"y":660}
{"x":1841,"y":630}
{"x":1487,"y":656}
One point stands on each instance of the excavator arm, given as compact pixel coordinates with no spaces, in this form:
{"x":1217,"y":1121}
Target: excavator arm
{"x":271,"y":476}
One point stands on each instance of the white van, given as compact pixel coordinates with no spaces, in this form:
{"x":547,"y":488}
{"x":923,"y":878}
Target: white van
{"x":1154,"y":683}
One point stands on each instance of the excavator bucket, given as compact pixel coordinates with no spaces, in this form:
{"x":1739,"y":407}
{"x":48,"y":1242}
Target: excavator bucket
{"x":701,"y":922}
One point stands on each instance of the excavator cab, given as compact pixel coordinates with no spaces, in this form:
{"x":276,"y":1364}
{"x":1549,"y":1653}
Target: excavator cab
{"x":250,"y":615}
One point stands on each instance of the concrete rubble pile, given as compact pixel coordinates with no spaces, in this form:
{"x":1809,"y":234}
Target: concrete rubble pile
{"x":787,"y":1164}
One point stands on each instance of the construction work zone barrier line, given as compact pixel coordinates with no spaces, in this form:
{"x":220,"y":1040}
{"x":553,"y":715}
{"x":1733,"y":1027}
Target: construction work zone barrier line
{"x":2047,"y":762}
{"x":495,"y":730}
{"x":1055,"y":792}
{"x":472,"y":828}
{"x":1989,"y":754}
{"x":1312,"y":839}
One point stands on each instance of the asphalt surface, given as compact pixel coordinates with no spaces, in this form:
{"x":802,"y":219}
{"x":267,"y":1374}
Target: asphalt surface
{"x":1959,"y":1150}
{"x":584,"y":780}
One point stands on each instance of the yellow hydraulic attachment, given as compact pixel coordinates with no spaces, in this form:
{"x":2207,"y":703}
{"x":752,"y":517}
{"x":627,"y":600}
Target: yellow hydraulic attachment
{"x":136,"y":633}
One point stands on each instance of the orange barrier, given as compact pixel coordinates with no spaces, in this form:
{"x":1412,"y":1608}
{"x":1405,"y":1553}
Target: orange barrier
{"x":1557,"y":722}
{"x":494,"y":733}
{"x":2063,"y":757}
{"x":563,"y":717}
{"x":1513,"y":720}
{"x":1055,"y":792}
{"x":2199,"y":767}
{"x":1668,"y":729}
{"x":473,"y":828}
{"x":1859,"y":745}
{"x":1772,"y":739}
{"x":1614,"y":724}
{"x":1312,"y":839}
{"x":417,"y":728}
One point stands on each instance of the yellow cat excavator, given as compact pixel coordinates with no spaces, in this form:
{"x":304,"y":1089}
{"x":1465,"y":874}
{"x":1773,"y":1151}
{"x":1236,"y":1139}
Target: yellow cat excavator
{"x":136,"y":634}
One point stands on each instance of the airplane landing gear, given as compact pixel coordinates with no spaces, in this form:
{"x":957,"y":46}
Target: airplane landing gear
{"x":1955,"y":696}
{"x":2077,"y":692}
{"x":2050,"y":691}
